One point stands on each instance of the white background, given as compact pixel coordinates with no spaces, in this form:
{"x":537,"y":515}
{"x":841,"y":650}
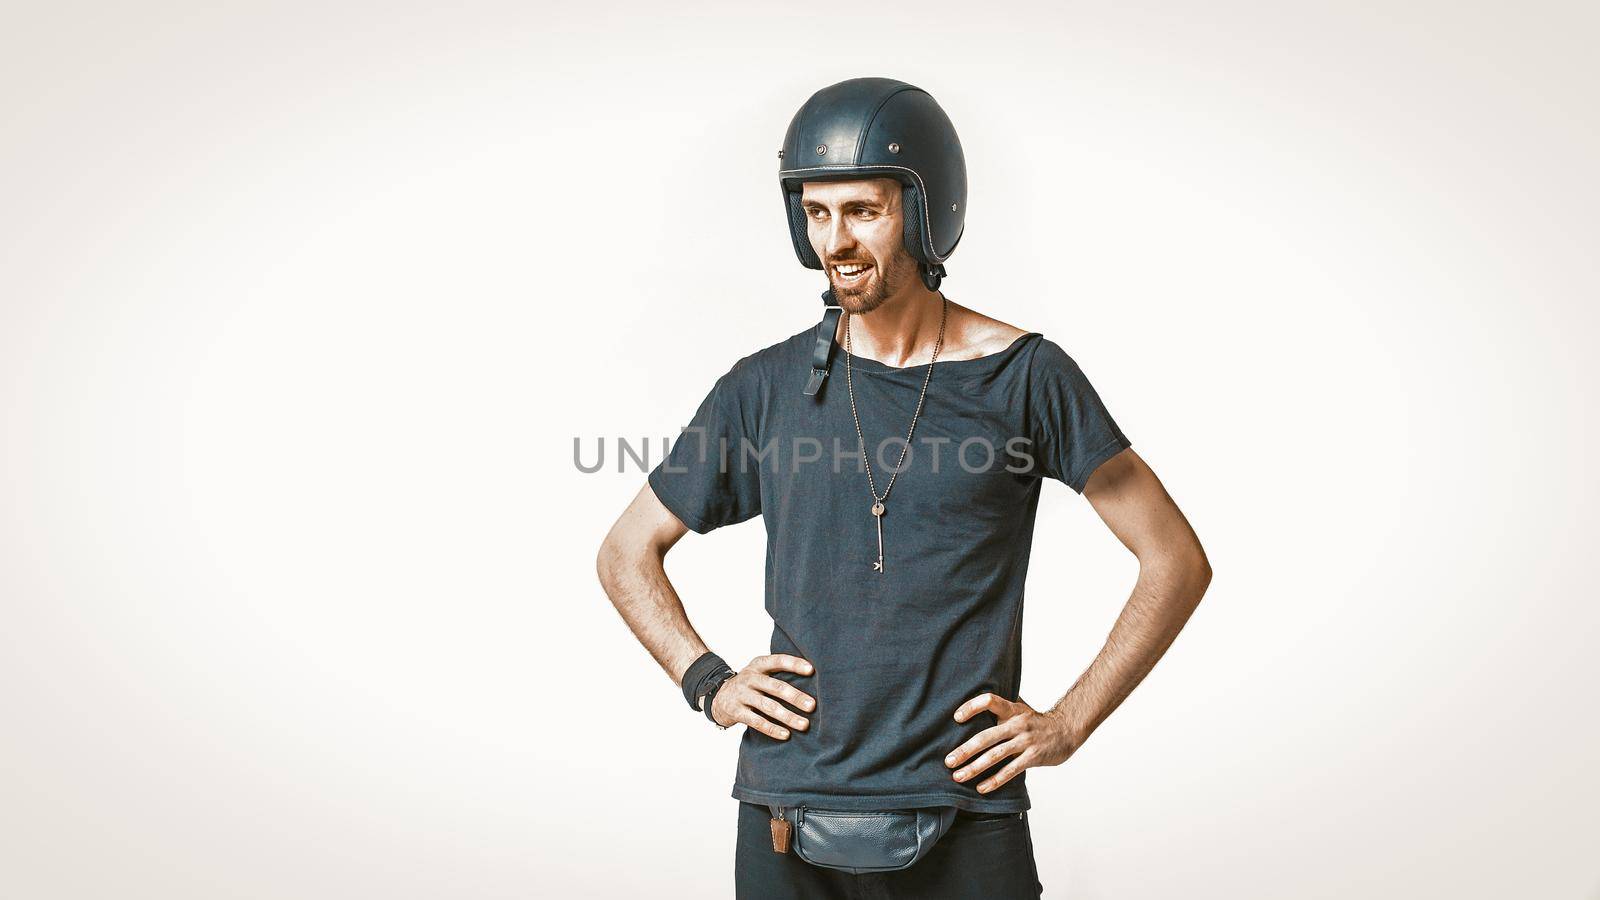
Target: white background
{"x":302,"y":307}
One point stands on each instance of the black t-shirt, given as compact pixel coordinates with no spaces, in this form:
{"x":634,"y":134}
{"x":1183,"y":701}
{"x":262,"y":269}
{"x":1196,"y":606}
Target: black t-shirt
{"x":895,"y":651}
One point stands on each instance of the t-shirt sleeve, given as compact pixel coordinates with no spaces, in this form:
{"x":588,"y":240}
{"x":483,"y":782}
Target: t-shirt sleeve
{"x":701,"y":479}
{"x":1072,"y":431}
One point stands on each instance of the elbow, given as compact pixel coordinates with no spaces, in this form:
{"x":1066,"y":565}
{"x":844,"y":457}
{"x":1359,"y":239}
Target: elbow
{"x":1201,"y":564}
{"x":608,"y":561}
{"x":619,"y":555}
{"x":1187,"y":571}
{"x":1199,"y":567}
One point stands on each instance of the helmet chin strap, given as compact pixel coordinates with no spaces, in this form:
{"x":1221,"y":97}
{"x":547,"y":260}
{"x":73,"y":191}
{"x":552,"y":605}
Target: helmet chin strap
{"x":822,"y":351}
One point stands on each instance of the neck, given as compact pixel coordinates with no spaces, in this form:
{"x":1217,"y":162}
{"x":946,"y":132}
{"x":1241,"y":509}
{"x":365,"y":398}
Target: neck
{"x":899,"y":333}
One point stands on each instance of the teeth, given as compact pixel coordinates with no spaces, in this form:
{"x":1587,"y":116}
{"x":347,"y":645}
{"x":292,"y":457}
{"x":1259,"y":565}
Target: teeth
{"x":851,"y":269}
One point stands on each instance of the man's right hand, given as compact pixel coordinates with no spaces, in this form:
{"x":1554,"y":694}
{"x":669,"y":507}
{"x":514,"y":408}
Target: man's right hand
{"x":748,"y":697}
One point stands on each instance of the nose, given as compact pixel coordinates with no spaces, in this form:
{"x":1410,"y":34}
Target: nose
{"x":837,"y":238}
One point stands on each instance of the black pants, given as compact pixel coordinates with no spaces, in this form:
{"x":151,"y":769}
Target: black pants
{"x":983,"y":855}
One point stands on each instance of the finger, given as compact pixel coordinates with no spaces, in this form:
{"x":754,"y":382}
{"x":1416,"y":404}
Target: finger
{"x":781,"y":662}
{"x":976,"y":744}
{"x":990,"y":757}
{"x":992,"y":702}
{"x":746,"y":702}
{"x":783,"y":690}
{"x":761,"y":723}
{"x":1023,"y":761}
{"x":778,"y":713}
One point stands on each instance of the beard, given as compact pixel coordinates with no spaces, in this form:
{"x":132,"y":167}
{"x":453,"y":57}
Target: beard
{"x":882,"y":283}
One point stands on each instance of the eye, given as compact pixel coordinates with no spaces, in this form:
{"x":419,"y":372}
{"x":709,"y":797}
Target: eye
{"x":818,"y":213}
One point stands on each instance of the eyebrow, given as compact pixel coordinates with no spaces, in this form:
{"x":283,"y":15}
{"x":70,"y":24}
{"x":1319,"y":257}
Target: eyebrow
{"x":848,"y":205}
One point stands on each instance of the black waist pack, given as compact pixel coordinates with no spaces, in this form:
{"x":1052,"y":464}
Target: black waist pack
{"x":859,"y":842}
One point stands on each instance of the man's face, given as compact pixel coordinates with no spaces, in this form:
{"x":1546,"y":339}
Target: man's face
{"x":855,"y":228}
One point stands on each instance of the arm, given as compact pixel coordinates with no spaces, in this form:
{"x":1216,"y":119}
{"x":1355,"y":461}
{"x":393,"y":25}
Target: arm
{"x":631,"y":566}
{"x":1173,"y":576}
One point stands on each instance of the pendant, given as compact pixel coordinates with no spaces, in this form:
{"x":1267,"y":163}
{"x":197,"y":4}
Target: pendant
{"x":877,"y":516}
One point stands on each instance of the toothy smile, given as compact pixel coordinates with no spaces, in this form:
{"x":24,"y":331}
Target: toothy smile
{"x":851,"y":271}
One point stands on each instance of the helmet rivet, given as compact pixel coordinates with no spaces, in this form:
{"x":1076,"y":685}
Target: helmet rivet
{"x":894,"y":148}
{"x":952,"y":207}
{"x":780,"y":154}
{"x":821,"y":149}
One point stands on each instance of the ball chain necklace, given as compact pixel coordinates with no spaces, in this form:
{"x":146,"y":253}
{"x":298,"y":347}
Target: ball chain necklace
{"x":878,"y":509}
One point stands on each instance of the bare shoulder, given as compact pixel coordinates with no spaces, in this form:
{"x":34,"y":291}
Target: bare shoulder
{"x":971,"y":334}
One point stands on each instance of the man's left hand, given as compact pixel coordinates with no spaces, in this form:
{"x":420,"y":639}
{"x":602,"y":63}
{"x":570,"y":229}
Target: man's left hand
{"x":1032,"y":738}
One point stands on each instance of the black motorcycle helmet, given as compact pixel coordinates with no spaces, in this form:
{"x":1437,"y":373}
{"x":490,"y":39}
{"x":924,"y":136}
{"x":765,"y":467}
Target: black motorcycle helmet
{"x":880,"y":127}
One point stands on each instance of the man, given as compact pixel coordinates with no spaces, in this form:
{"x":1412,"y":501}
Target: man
{"x":898,"y":479}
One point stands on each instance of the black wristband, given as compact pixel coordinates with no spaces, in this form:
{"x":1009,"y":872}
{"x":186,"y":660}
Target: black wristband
{"x":702,"y":675}
{"x":721,"y":679}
